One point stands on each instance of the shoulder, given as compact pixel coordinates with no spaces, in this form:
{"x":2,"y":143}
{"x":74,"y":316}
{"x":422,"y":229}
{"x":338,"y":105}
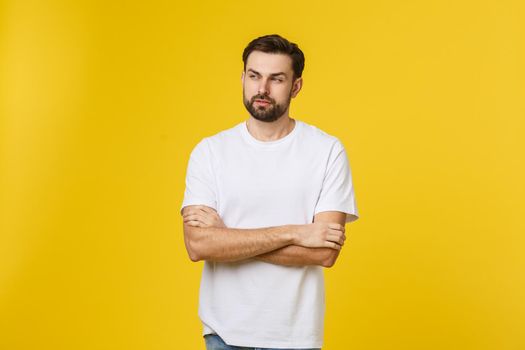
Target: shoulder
{"x":214,"y":141}
{"x":318,"y":138}
{"x":226,"y":136}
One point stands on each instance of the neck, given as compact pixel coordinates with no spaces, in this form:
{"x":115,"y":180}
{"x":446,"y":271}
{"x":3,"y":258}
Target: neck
{"x":273,"y":131}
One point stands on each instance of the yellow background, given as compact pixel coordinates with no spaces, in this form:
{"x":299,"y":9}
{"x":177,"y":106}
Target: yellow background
{"x":102,"y":102}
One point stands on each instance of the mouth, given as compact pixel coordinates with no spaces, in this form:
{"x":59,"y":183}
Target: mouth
{"x":263,"y":102}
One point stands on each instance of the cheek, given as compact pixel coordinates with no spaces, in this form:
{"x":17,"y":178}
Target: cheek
{"x":249,"y":90}
{"x":282,"y":93}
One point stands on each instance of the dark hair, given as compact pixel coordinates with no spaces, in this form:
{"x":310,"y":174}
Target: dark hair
{"x":275,"y":43}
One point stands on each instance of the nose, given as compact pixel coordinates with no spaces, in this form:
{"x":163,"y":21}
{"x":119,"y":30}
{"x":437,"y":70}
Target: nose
{"x":263,"y":87}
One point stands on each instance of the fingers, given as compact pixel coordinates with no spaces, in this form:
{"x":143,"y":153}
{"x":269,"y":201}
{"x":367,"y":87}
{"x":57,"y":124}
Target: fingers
{"x":207,"y":216}
{"x":333,"y":245}
{"x":201,"y":210}
{"x":194,"y":223}
{"x":197,"y":217}
{"x":336,"y":236}
{"x":335,"y":226}
{"x":205,"y":209}
{"x":190,"y":217}
{"x":336,"y":233}
{"x":336,"y":239}
{"x":198,"y":212}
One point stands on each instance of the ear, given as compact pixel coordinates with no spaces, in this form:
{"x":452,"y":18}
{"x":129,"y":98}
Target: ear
{"x":242,"y":78}
{"x":297,"y":85}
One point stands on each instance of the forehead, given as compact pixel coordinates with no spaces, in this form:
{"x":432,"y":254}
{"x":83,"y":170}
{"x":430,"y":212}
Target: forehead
{"x":268,"y":63}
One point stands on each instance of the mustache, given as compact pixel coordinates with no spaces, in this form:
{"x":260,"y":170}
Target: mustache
{"x":264,"y":98}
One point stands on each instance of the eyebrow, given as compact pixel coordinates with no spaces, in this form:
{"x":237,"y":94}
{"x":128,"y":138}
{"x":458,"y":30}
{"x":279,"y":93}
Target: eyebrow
{"x":272,"y":75}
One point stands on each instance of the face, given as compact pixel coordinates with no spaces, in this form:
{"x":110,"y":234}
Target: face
{"x":268,"y":85}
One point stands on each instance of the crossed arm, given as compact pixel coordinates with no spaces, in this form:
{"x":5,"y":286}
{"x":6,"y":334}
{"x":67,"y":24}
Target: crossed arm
{"x":207,"y":238}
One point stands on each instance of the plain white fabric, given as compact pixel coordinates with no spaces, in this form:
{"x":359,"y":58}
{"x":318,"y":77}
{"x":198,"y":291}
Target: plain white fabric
{"x":254,"y":184}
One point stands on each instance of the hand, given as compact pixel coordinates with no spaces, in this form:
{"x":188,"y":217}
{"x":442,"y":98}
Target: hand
{"x":202,"y":216}
{"x":321,"y":235}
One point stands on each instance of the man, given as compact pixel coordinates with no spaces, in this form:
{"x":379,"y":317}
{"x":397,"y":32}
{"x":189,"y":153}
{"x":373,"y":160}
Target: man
{"x":265,"y":207}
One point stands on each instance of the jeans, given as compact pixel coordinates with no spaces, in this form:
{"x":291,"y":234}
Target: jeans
{"x":214,"y":342}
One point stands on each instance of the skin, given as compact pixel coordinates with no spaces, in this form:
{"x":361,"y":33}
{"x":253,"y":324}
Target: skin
{"x":316,"y":247}
{"x":270,"y":77}
{"x":267,"y":77}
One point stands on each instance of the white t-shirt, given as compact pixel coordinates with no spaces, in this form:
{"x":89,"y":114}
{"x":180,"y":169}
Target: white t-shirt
{"x":255,"y":184}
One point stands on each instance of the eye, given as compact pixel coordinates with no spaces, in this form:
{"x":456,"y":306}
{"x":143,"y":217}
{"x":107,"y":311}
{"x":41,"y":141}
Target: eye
{"x":278,"y":80}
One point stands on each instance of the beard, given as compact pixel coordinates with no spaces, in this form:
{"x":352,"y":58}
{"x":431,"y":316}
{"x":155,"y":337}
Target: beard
{"x":269,"y":113}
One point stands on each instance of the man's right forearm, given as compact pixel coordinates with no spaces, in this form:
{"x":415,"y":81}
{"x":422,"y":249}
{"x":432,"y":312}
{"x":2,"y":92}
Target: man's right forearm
{"x":229,"y":244}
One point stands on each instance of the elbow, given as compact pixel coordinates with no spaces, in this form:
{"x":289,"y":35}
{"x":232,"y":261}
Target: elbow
{"x":328,"y":263}
{"x":330,"y":259}
{"x":193,"y":255}
{"x":194,"y":258}
{"x":191,"y":244}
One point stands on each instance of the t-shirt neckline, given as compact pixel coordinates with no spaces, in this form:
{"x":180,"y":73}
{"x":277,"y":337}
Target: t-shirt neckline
{"x":269,"y":144}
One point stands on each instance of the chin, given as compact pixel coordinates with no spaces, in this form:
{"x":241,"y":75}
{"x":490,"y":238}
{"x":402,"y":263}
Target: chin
{"x":267,"y":120}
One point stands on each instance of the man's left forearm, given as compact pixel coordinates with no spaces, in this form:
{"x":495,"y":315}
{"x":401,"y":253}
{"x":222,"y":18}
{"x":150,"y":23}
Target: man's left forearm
{"x":294,"y":255}
{"x":290,"y":255}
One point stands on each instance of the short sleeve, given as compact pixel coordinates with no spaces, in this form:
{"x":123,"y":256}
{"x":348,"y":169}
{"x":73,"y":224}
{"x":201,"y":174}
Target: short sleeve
{"x":337,"y":192}
{"x":200,"y":183}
